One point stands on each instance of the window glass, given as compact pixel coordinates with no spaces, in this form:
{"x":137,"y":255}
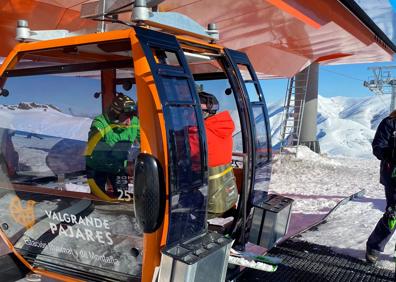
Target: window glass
{"x":166,"y":57}
{"x":190,"y":196}
{"x":252,"y":92}
{"x":263,"y":164}
{"x":245,"y":72}
{"x":202,"y":64}
{"x":250,"y":86}
{"x":50,"y":207}
{"x":186,"y":140}
{"x":46,"y":124}
{"x":261,"y":135}
{"x":223,"y":92}
{"x":128,"y":88}
{"x":177,"y":89}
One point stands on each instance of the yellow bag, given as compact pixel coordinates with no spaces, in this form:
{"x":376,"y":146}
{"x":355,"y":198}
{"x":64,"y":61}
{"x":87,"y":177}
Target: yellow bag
{"x":222,"y":192}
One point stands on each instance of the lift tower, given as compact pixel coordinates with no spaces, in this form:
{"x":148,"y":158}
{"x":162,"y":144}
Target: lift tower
{"x":298,"y":126}
{"x":383,"y":83}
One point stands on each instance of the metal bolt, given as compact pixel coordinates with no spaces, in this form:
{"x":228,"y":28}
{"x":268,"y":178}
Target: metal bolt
{"x":212,"y":26}
{"x":213,"y":32}
{"x":140,"y":3}
{"x":4,"y":226}
{"x":22,"y":23}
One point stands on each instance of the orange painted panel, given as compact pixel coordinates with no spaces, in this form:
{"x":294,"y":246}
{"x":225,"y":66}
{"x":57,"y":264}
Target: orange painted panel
{"x":294,"y":12}
{"x":298,"y":28}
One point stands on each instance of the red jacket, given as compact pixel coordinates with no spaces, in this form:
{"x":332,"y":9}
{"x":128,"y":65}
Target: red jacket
{"x":219,"y":129}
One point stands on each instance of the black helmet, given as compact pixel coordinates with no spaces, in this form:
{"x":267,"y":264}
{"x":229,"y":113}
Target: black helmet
{"x":209,"y":102}
{"x":123,"y":104}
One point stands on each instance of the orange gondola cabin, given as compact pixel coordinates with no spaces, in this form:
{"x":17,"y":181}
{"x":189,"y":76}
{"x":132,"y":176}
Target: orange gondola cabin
{"x":58,"y":223}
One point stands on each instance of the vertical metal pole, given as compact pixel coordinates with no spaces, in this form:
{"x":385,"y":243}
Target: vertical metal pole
{"x":308,"y":124}
{"x":108,"y":87}
{"x":102,"y":10}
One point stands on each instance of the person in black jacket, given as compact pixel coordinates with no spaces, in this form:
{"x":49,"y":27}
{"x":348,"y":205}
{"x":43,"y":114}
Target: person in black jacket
{"x":384,"y":148}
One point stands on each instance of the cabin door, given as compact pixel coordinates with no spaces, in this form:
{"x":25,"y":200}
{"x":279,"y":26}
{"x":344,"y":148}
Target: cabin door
{"x":185,"y":135}
{"x":259,"y":122}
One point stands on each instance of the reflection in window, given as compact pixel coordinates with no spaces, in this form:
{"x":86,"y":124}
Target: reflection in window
{"x":203,"y":64}
{"x":46,"y":128}
{"x":261,"y":135}
{"x":177,"y":89}
{"x":250,"y":86}
{"x":186,"y":141}
{"x":252,"y":92}
{"x":43,"y":134}
{"x":188,"y":203}
{"x":245,"y":72}
{"x":166,"y":57}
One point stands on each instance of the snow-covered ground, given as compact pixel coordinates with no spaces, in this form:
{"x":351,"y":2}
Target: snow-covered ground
{"x":346,"y":127}
{"x":317,"y":183}
{"x":45,"y":120}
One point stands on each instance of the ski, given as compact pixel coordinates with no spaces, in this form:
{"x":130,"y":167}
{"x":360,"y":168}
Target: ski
{"x":252,"y":260}
{"x":343,"y":201}
{"x":251,"y":263}
{"x":261,"y":258}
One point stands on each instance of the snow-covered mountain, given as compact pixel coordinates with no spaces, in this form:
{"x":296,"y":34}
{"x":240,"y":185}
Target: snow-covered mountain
{"x":346,"y":125}
{"x":44,"y":120}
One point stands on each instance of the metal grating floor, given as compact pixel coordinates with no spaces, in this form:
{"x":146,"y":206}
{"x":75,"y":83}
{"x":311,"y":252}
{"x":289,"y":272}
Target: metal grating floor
{"x":304,"y":261}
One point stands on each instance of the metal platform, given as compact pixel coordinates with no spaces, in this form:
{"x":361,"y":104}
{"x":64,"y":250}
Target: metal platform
{"x":304,"y":261}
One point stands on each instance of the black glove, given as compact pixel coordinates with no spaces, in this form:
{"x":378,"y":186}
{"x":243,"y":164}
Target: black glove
{"x":387,"y":155}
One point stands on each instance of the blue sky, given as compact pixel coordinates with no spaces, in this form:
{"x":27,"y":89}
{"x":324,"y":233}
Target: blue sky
{"x":393,"y":3}
{"x":71,"y":94}
{"x":340,"y":80}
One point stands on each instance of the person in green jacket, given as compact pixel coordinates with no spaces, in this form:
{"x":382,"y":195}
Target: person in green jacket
{"x":111,"y":140}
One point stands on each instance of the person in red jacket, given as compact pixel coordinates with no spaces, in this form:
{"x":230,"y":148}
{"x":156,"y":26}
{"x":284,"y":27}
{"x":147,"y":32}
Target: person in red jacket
{"x":222,"y":192}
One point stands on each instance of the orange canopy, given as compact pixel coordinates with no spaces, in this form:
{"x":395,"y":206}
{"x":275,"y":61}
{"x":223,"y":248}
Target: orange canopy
{"x":281,"y":37}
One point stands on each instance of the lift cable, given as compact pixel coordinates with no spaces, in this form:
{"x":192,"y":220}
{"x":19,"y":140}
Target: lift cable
{"x":341,"y":74}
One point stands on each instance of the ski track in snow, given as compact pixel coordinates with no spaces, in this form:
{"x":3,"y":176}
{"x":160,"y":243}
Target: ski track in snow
{"x":316,"y":183}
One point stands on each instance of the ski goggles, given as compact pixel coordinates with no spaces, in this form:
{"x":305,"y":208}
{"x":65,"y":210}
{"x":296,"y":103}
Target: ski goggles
{"x":210,"y":107}
{"x":208,"y":102}
{"x":130,"y":108}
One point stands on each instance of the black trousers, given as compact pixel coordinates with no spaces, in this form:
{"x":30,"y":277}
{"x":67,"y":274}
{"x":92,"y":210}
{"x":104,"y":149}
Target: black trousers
{"x":382,"y":233}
